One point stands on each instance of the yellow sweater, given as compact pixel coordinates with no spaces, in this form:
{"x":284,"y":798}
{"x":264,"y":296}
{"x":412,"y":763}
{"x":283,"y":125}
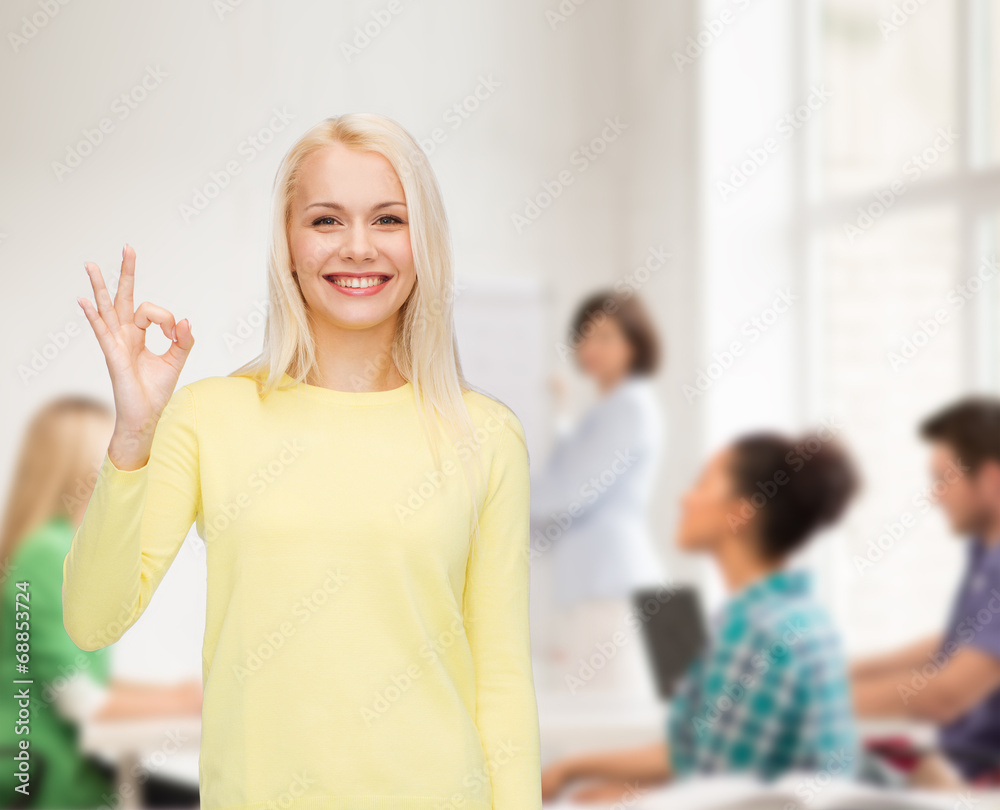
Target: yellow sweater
{"x":356,"y":654}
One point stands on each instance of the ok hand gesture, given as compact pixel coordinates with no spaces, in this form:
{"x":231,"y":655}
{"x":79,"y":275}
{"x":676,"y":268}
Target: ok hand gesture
{"x":142,"y":381}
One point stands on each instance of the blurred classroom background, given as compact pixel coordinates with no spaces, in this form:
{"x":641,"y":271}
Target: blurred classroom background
{"x":805,"y":196}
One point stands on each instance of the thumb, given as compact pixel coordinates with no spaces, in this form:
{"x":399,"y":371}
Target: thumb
{"x":181,"y":346}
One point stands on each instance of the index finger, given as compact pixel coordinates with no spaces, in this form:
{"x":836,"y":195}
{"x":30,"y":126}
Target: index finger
{"x":126,"y":284}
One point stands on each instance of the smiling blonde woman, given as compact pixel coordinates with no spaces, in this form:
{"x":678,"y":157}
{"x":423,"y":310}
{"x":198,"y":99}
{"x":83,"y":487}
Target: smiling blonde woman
{"x":364,"y":509}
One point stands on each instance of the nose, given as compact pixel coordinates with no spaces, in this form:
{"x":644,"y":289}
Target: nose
{"x":357,"y":245}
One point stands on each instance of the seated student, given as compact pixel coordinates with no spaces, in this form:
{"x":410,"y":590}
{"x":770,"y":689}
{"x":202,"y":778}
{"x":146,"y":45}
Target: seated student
{"x":769,"y":693}
{"x":51,"y":485}
{"x":953,"y":678}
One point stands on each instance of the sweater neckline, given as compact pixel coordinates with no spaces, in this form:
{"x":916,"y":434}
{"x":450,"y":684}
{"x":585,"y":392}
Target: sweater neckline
{"x":399,"y":394}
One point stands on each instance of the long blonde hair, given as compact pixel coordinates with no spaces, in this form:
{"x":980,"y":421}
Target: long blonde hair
{"x":54,"y":472}
{"x":424,"y":346}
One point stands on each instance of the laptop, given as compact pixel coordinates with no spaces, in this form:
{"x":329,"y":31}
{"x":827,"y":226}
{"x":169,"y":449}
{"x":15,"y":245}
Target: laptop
{"x":673,"y":628}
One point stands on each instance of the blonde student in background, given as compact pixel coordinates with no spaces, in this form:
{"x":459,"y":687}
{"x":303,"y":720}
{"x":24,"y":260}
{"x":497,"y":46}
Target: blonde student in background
{"x":364,"y":508}
{"x":55,"y":470}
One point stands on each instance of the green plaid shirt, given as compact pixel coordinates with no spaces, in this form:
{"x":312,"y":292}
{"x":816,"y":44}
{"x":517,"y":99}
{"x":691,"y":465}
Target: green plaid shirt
{"x":770,"y":691}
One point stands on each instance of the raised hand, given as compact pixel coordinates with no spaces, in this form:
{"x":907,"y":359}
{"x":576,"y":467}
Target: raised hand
{"x":143,"y":382}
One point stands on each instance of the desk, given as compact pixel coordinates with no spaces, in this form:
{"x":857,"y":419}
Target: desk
{"x":661,"y":799}
{"x":919,"y":733}
{"x":165,"y":745}
{"x":590,"y":722}
{"x":584,"y":722}
{"x":571,"y":724}
{"x":568,"y":725}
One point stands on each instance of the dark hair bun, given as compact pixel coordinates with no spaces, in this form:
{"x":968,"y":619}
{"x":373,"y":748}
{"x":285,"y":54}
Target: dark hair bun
{"x":794,"y":486}
{"x":830,"y":480}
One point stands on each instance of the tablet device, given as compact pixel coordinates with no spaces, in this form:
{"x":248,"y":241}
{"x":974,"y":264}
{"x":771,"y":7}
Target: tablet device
{"x":673,"y":627}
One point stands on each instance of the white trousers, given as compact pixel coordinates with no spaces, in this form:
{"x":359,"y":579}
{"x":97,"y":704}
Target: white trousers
{"x":589,"y":647}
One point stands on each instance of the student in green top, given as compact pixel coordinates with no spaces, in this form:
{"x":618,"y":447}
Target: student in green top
{"x":51,"y":486}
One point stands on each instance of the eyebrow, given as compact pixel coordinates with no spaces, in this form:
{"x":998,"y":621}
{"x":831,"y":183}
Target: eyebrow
{"x":338,"y":207}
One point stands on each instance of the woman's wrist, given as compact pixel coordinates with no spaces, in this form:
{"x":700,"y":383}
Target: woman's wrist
{"x":129,"y":450}
{"x":570,"y":769}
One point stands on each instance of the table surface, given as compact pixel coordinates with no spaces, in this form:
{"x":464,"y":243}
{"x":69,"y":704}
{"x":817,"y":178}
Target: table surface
{"x":169,"y":745}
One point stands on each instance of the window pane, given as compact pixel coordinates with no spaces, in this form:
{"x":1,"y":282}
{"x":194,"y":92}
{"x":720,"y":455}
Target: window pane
{"x":990,"y":57}
{"x":892,"y":354}
{"x":891,"y":116}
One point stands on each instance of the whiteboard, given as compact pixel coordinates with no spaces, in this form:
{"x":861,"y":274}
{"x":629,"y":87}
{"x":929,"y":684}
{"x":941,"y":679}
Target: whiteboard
{"x":501,"y":326}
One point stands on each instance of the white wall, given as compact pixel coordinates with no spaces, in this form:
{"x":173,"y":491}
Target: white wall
{"x":547,"y":87}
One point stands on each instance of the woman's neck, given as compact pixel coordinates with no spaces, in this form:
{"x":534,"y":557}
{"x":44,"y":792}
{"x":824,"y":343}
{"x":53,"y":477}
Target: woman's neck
{"x":355,"y":360}
{"x":605,"y":385}
{"x":741,"y":566}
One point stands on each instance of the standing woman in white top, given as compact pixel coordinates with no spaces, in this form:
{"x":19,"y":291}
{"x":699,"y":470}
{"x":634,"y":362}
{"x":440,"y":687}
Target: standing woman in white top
{"x":591,"y":541}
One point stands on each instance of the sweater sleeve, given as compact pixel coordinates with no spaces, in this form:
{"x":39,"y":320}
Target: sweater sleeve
{"x":496,"y":622}
{"x":132,"y":530}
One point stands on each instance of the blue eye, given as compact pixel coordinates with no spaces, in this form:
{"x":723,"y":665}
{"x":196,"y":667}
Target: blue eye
{"x":392,"y":219}
{"x":323,"y":220}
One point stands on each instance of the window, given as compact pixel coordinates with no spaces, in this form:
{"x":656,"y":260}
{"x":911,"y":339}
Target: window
{"x":900,"y":203}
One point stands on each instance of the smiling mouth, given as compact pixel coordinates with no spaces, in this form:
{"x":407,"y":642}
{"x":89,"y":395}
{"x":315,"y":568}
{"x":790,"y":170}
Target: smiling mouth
{"x":348,"y":282}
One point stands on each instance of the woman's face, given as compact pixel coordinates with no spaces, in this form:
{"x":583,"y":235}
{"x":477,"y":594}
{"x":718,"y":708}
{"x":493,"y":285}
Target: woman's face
{"x":603,"y":351}
{"x":708,"y":506}
{"x":349,"y":226}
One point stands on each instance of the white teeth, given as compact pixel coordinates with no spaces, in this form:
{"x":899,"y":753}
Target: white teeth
{"x":368,"y":281}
